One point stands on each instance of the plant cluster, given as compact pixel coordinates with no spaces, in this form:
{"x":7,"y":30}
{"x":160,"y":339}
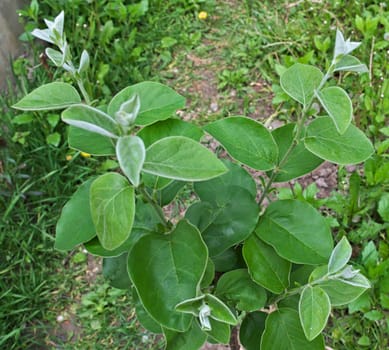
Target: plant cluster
{"x":229,"y":256}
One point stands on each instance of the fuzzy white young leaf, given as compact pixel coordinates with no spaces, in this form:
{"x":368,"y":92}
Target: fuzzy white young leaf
{"x":43,"y":34}
{"x":344,"y":47}
{"x":84,"y":62}
{"x":128,"y":111}
{"x":91,"y":119}
{"x":339,"y":256}
{"x":58,"y":58}
{"x":131,"y":154}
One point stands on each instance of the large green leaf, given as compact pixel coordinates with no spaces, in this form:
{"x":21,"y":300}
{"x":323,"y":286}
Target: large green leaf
{"x":237,"y":288}
{"x":90,"y":142}
{"x":167,"y":194}
{"x":157,"y":131}
{"x":226,"y":224}
{"x":266,"y":267}
{"x":170,"y":127}
{"x":251,"y":329}
{"x":338,"y":106}
{"x":112,"y":203}
{"x":324,"y":140}
{"x":143,"y":316}
{"x":155,"y":183}
{"x":181,"y":158}
{"x":220,"y":332}
{"x":192,"y":339}
{"x":246,"y":140}
{"x":340,"y":256}
{"x":131,"y":154}
{"x":75,"y":225}
{"x":209,"y":274}
{"x":229,"y":260}
{"x":157,"y":101}
{"x":283,"y":331}
{"x":296,"y":231}
{"x":300,"y":82}
{"x":115,"y":271}
{"x":146,"y":221}
{"x":299,"y":161}
{"x":90,"y":119}
{"x":167,"y":269}
{"x":218,"y":190}
{"x":314,"y":310}
{"x":50,"y":96}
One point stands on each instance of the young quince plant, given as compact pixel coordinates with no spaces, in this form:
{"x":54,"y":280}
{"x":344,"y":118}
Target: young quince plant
{"x":230,"y":259}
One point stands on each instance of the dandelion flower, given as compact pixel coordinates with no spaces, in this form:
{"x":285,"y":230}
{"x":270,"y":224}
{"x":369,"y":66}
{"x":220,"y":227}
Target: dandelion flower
{"x":203,"y":15}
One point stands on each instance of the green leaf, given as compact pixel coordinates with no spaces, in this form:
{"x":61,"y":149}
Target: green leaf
{"x":209,"y":274}
{"x":338,"y":106}
{"x":192,"y":339}
{"x":230,"y":259}
{"x":300,"y":82}
{"x":246,"y":140}
{"x":383,"y":207}
{"x":237,"y":287}
{"x":364,"y":341}
{"x":90,"y":142}
{"x":218,"y":191}
{"x":266,"y":267}
{"x":220,"y":332}
{"x":167,"y":194}
{"x":296,"y":231}
{"x":251,"y":329}
{"x":53,"y":139}
{"x":228,"y":212}
{"x":90,"y":119}
{"x":146,"y":221}
{"x":57,"y":57}
{"x":191,"y":306}
{"x":374,"y":315}
{"x":131,"y":153}
{"x":340,"y":256}
{"x":299,"y":161}
{"x":220,"y":311}
{"x":226,"y":224}
{"x":115,"y":271}
{"x":283,"y":331}
{"x":75,"y":225}
{"x":340,"y":290}
{"x":350,"y":63}
{"x":155,"y":183}
{"x":143,"y":316}
{"x":25,"y":118}
{"x":48,"y":97}
{"x":323,"y":139}
{"x":171,"y":274}
{"x":158,"y":102}
{"x":314,"y":310}
{"x":181,"y":158}
{"x":170,"y":127}
{"x":112,"y":203}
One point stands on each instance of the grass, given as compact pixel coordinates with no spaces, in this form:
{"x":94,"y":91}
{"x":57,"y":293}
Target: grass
{"x":225,"y":65}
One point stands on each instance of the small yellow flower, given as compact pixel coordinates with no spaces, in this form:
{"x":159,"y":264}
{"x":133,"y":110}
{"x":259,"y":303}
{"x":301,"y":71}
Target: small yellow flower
{"x":85,"y":155}
{"x":69,"y":157}
{"x":203,"y":15}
